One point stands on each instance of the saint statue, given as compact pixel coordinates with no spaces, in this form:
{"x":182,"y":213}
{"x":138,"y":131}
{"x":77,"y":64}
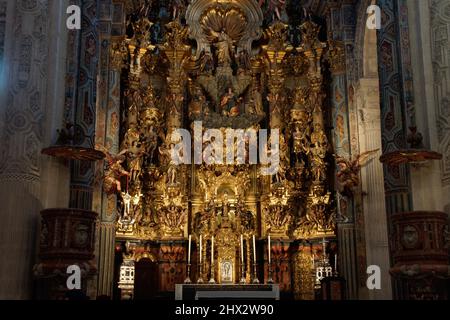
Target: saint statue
{"x":224,"y":46}
{"x":229,"y":104}
{"x":126,"y":203}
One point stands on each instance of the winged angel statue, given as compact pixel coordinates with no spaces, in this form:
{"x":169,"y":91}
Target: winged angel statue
{"x":348,"y":175}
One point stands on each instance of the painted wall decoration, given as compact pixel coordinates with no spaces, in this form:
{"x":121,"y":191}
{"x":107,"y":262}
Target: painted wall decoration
{"x":440,"y":36}
{"x":3,"y":8}
{"x":393,"y":112}
{"x":23,"y":112}
{"x":81,"y":99}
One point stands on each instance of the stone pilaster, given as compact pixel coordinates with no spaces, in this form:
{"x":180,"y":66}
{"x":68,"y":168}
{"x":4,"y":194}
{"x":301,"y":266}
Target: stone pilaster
{"x":107,"y":135}
{"x":372,"y":180}
{"x":32,"y":36}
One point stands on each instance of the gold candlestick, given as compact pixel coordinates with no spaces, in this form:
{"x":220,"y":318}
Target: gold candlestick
{"x":200,"y":264}
{"x":211,"y":280}
{"x":188,"y":278}
{"x":255,"y":275}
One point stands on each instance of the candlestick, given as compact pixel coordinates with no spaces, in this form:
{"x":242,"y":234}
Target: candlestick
{"x":200,"y":249}
{"x":242,"y":249}
{"x":200,"y":266}
{"x":255,"y":274}
{"x":212,"y":261}
{"x":188,"y":273}
{"x":254,"y":249}
{"x":269,"y":249}
{"x":189,"y":249}
{"x":335,"y":265}
{"x":212,"y":250}
{"x":242,"y":261}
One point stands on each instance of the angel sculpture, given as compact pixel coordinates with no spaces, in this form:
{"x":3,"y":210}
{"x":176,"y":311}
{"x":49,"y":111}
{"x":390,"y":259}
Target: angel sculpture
{"x":114,"y":171}
{"x":348,"y":175}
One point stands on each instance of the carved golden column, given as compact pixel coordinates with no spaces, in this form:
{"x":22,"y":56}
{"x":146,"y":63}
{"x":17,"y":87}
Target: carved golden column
{"x":275,"y":52}
{"x":176,"y":52}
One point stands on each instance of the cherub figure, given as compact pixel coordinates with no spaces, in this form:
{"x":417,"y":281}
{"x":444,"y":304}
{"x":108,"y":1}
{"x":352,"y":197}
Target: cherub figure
{"x":348,"y":175}
{"x":114,"y":171}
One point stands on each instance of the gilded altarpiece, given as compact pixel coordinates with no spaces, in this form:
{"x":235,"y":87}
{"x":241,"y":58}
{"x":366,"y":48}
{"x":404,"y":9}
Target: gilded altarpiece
{"x":211,"y":68}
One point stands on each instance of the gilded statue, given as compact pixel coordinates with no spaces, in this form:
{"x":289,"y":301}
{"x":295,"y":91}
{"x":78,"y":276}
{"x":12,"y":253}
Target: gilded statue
{"x":198,"y":101}
{"x":224,"y":45}
{"x":114,"y":171}
{"x":300,"y":142}
{"x":278,"y":216}
{"x":173,"y":217}
{"x":243,"y":61}
{"x":126,"y":198}
{"x":141,"y":30}
{"x":167,"y":159}
{"x":151,"y":143}
{"x":206,"y":63}
{"x":229,"y":103}
{"x":256,"y":100}
{"x":119,"y":55}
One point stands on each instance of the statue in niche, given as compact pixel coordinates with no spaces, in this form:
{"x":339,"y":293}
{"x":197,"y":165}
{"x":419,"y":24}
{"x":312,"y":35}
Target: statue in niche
{"x":256,"y":100}
{"x":301,"y":143}
{"x":280,"y":175}
{"x":319,"y":140}
{"x":206,"y":62}
{"x":284,"y":150}
{"x":225,"y":48}
{"x":142,"y":30}
{"x":126,"y":197}
{"x":198,"y":101}
{"x":230,"y":104}
{"x":174,"y":217}
{"x":245,"y":216}
{"x":151,"y":143}
{"x":167,"y":159}
{"x":318,"y":163}
{"x":175,"y":103}
{"x":243,"y":62}
{"x":225,"y":205}
{"x":135,"y":164}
